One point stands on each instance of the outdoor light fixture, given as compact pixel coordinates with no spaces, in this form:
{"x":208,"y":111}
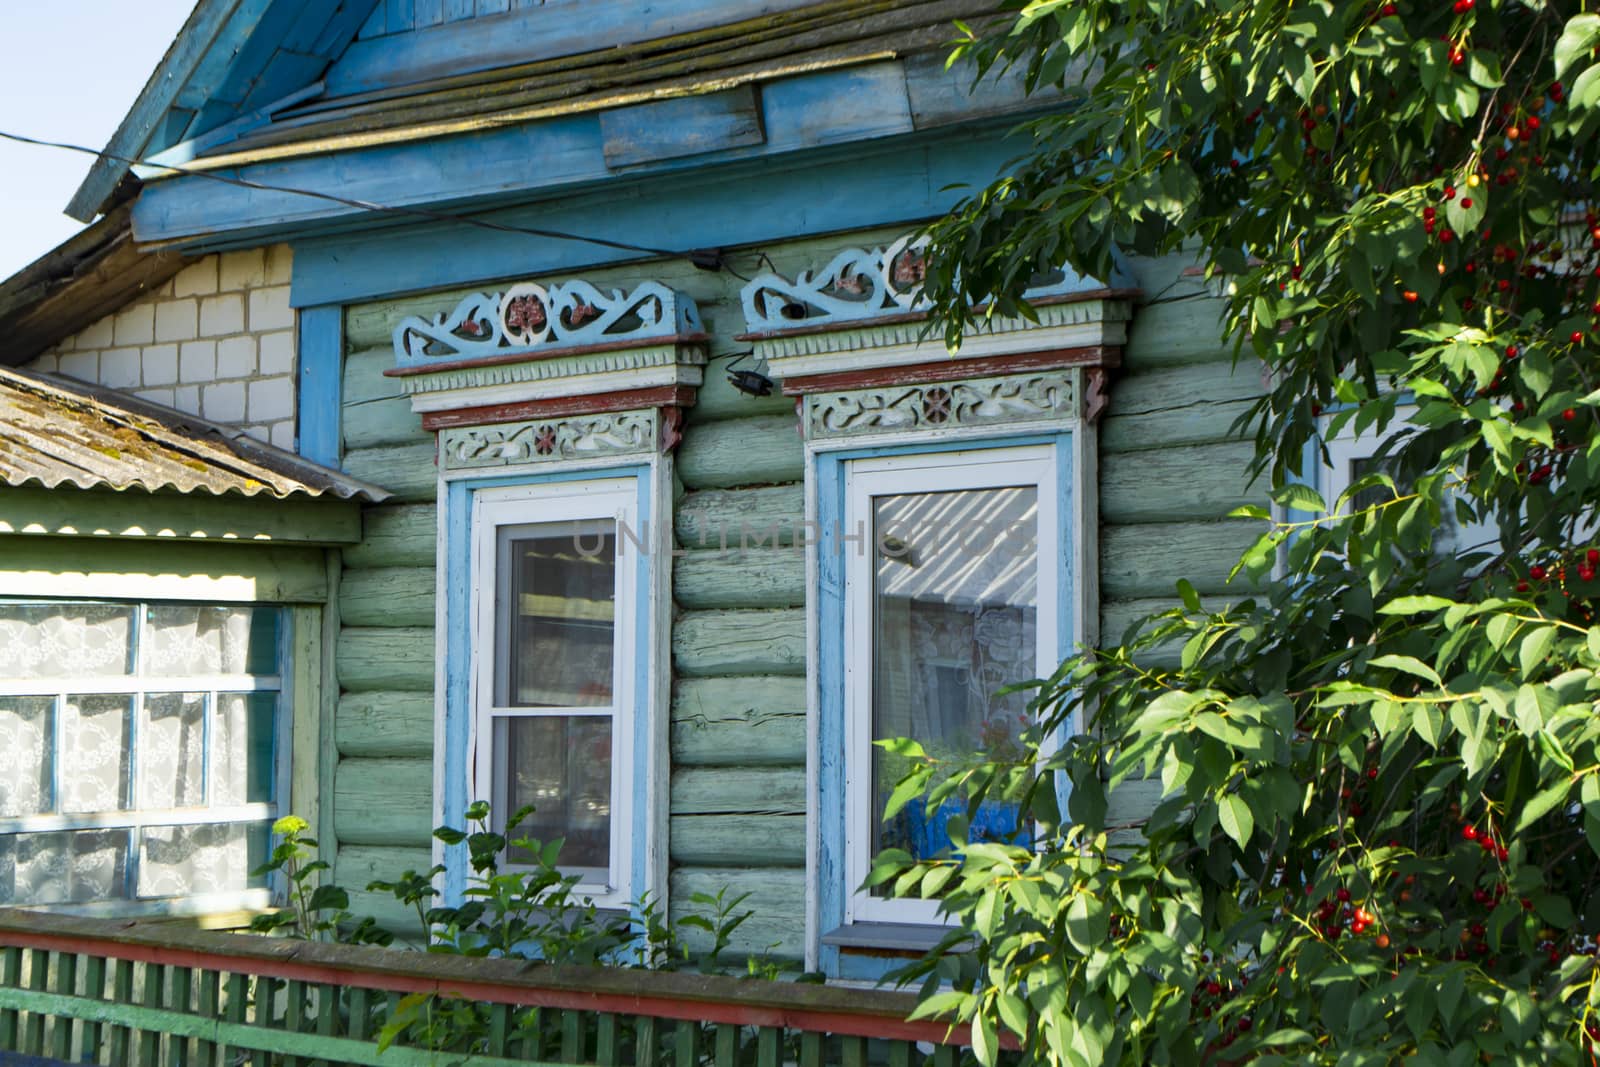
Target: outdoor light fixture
{"x":748,"y":382}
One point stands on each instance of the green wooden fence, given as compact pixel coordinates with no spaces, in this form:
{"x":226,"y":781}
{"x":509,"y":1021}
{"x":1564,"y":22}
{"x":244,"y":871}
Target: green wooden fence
{"x":149,"y":994}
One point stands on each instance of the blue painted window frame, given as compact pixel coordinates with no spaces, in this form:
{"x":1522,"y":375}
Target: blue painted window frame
{"x":829,"y":473}
{"x":453,"y":773}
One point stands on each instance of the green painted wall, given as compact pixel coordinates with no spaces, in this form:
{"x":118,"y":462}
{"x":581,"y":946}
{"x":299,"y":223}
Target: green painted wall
{"x":1169,"y":474}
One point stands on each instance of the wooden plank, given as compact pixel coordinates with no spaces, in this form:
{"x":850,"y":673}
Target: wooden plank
{"x":396,"y":536}
{"x":385,"y":723}
{"x":941,"y":92}
{"x":387,"y":596}
{"x":726,"y":1053}
{"x":205,"y":26}
{"x":773,"y":577}
{"x":870,"y":188}
{"x":1177,"y":484}
{"x":1185,"y":424}
{"x":741,"y":790}
{"x":761,"y":451}
{"x":379,"y":422}
{"x":357,"y":866}
{"x":738,"y":840}
{"x":306,"y":753}
{"x":94,"y":987}
{"x":182,"y":1000}
{"x":38,"y":966}
{"x":155,"y":976}
{"x":319,"y":357}
{"x":740,"y":642}
{"x":776,"y":902}
{"x":10,"y":978}
{"x":375,"y":658}
{"x":1147,"y":560}
{"x":720,"y":400}
{"x":383,"y":802}
{"x":363,"y":379}
{"x":1188,"y":403}
{"x":407,"y":471}
{"x":1183,"y":331}
{"x":121,"y":993}
{"x":209,"y":1007}
{"x":554,"y":28}
{"x":66,"y":979}
{"x":686,"y":126}
{"x":854,"y":103}
{"x":739,"y":721}
{"x":220,"y":573}
{"x":752,"y":517}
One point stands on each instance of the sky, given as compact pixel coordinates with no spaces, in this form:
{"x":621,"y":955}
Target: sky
{"x":69,"y":71}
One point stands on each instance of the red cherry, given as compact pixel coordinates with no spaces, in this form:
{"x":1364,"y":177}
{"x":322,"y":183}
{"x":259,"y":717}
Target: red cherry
{"x":1469,"y":832}
{"x":1466,"y":202}
{"x":1502,"y":853}
{"x":1522,"y":587}
{"x":1342,"y":894}
{"x":1449,"y":192}
{"x":1536,"y":572}
{"x":1569,"y":414}
{"x":1577,"y":337}
{"x":1512,"y":351}
{"x":1592,"y":557}
{"x":1409,"y":296}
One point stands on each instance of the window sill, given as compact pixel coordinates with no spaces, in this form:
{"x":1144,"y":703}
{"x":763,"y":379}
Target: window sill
{"x":887,"y":939}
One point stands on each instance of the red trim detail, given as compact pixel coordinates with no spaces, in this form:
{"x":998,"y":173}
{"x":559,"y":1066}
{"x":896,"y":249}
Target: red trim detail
{"x":951,"y":370}
{"x":682,"y":396}
{"x":714,"y":1011}
{"x":534,"y":355}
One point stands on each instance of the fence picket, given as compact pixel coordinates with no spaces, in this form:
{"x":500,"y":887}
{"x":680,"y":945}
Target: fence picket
{"x":61,"y":1025}
{"x":94,"y":987}
{"x":727,"y":1049}
{"x":686,"y":1045}
{"x":33,"y":1022}
{"x":209,"y":1007}
{"x":182,"y":994}
{"x":571,"y":1037}
{"x":646,"y":1042}
{"x":11,"y":975}
{"x":605,"y":1040}
{"x":769,"y":1047}
{"x":121,"y":993}
{"x":155,"y":978}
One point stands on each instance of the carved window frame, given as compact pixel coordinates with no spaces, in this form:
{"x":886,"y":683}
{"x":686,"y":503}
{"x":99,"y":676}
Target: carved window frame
{"x":533,"y":391}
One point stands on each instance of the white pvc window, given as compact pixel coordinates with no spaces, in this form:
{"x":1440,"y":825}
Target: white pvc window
{"x":554,"y":600}
{"x":1352,"y":457}
{"x":952,"y":585}
{"x":139,"y":752}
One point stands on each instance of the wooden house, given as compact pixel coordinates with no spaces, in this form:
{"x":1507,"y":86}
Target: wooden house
{"x":618,"y":474}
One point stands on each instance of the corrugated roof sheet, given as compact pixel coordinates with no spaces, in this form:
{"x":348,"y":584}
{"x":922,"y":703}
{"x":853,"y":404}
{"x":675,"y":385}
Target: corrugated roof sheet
{"x":837,"y":32}
{"x":55,"y":432}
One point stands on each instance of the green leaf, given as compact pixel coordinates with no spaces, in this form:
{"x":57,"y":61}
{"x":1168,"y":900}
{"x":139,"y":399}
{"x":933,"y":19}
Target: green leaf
{"x":1408,"y":664}
{"x":1186,"y":592}
{"x":1300,"y":497}
{"x":1415,"y":605}
{"x":1535,"y":647}
{"x":985,"y":1042}
{"x":1087,"y":922}
{"x":1542,"y":803}
{"x":1234,"y":815}
{"x":1578,"y":38}
{"x":1428,"y":722}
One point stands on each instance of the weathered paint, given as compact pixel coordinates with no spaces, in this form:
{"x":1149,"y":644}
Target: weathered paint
{"x":321,"y":381}
{"x":208,"y":572}
{"x":200,"y":516}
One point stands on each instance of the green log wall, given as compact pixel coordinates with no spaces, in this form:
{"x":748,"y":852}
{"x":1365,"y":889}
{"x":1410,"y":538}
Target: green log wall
{"x":1169,"y":474}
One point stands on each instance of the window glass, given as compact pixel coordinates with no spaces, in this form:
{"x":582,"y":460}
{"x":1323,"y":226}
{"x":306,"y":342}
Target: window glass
{"x":65,"y":640}
{"x":63,"y":868}
{"x":96,"y":753}
{"x":954,"y":620}
{"x":557,"y":611}
{"x":125,"y":730}
{"x":27,"y":727}
{"x":560,"y":764}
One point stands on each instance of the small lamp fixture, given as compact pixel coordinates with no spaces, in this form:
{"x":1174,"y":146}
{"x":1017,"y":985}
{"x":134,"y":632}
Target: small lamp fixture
{"x":748,"y":382}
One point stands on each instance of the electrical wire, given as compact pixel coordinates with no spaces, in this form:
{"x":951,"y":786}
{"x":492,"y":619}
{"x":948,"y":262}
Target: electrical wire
{"x":704,"y":258}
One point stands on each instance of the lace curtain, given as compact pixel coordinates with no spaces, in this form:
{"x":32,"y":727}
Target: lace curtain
{"x":107,"y":741}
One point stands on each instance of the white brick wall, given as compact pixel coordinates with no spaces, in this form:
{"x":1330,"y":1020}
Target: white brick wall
{"x":216,"y":341}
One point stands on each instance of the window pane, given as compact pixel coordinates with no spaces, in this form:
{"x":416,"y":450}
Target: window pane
{"x":241,"y":770}
{"x":955,"y":605}
{"x":95,"y":757}
{"x":555,"y":608}
{"x":27,"y":741}
{"x":562,"y":766}
{"x":63,"y":868}
{"x":190,"y":639}
{"x":65,"y":640}
{"x":177,"y":861}
{"x":172,"y":749}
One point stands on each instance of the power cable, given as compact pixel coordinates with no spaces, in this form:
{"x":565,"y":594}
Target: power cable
{"x":704,"y":258}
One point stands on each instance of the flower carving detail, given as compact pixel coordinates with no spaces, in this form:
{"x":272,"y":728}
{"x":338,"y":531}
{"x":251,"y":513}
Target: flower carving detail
{"x":544,"y":442}
{"x":525,"y":313}
{"x":936,"y":405}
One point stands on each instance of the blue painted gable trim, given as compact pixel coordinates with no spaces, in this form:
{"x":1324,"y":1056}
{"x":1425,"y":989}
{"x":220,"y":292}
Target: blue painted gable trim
{"x":455,"y":788}
{"x":321,"y":366}
{"x":829,"y":474}
{"x":749,"y":205}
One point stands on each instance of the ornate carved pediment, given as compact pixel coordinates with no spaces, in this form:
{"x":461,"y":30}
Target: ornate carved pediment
{"x":532,"y":318}
{"x":857,"y":327}
{"x":568,"y":354}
